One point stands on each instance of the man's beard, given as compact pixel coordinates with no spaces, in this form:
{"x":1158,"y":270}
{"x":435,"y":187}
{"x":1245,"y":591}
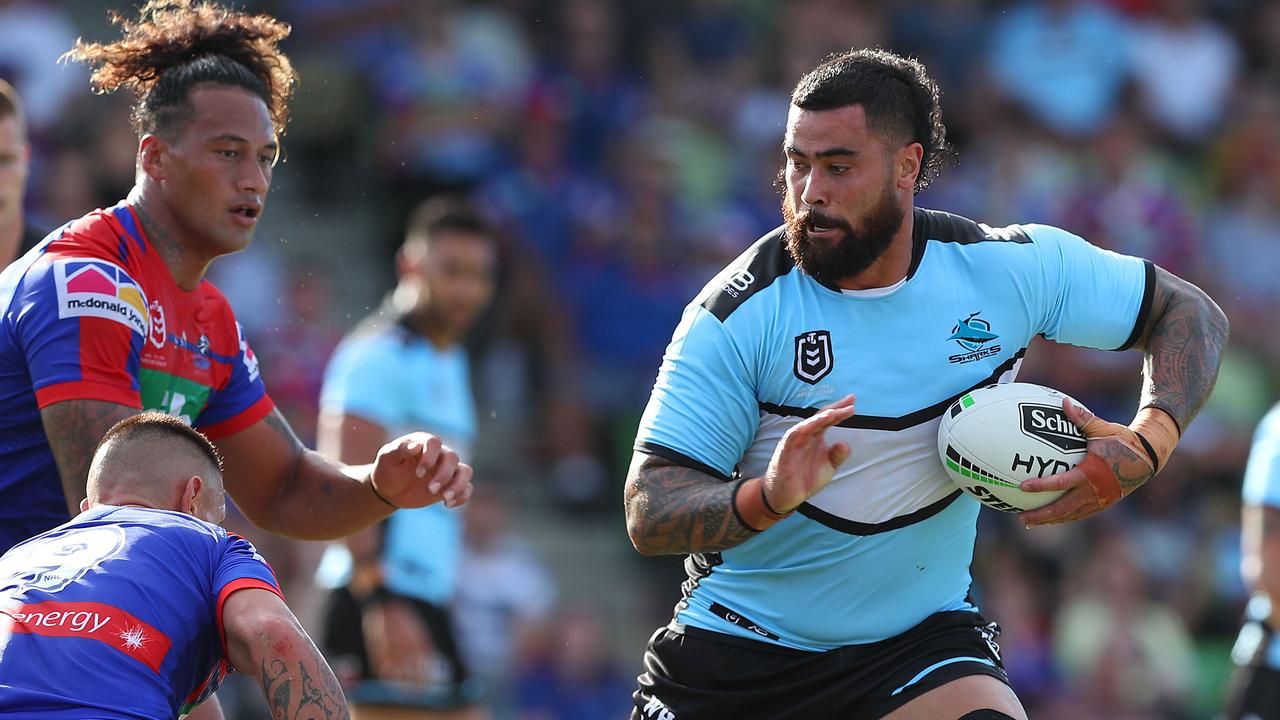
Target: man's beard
{"x":830,"y":260}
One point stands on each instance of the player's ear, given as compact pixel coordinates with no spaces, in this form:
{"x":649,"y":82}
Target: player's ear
{"x":409,"y":259}
{"x":403,"y":263}
{"x":84,"y":504}
{"x":153,"y":154}
{"x":908,"y":166}
{"x":190,"y":491}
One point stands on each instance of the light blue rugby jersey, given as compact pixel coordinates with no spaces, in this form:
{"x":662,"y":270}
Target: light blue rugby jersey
{"x":890,"y":540}
{"x":1262,"y":487}
{"x":395,"y":378}
{"x":1262,"y":474}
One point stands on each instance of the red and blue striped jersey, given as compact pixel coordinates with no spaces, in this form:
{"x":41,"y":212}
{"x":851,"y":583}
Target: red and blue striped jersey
{"x":93,"y":313}
{"x":118,"y":614}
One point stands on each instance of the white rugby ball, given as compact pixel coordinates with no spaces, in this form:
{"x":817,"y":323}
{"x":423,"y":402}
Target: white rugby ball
{"x":993,"y":438}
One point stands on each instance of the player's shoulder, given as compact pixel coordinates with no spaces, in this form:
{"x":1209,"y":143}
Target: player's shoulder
{"x":1269,"y":427}
{"x":375,"y":342}
{"x":101,"y":248}
{"x":111,"y":234}
{"x":142,"y":526}
{"x":1026,"y":245}
{"x":755,"y":270}
{"x":154,"y":517}
{"x":945,"y":227}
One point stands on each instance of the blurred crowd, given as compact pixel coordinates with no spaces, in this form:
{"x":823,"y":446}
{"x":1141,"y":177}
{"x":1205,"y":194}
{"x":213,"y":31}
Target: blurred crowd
{"x":627,"y":151}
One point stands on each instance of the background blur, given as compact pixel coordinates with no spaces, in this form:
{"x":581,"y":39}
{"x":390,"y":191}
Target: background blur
{"x":627,"y":151}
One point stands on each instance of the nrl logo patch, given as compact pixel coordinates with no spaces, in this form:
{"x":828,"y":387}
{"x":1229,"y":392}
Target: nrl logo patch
{"x":814,"y":359}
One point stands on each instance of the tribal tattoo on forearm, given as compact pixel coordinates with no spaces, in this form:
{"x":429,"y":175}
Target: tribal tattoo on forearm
{"x":300,"y":697}
{"x":1132,"y":470}
{"x":1184,"y":341}
{"x":673,"y":510}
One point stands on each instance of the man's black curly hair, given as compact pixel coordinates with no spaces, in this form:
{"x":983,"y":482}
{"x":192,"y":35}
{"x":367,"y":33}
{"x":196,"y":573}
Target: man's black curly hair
{"x":899,"y":98}
{"x":175,"y":45}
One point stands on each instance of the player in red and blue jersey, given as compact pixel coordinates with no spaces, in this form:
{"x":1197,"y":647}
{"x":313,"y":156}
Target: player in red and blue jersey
{"x":95,"y":315}
{"x":141,"y":605}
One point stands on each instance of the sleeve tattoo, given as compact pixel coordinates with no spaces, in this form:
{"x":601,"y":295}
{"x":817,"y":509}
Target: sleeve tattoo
{"x":1184,"y":340}
{"x":300,"y":696}
{"x":674,"y":510}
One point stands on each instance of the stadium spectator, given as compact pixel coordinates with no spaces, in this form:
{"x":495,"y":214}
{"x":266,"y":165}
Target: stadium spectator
{"x":1185,"y":66}
{"x":292,"y":357}
{"x":1131,"y":199}
{"x":1255,"y":691}
{"x":503,"y":600}
{"x":574,"y":677}
{"x":141,"y":605}
{"x":16,"y":236}
{"x":1065,"y":61}
{"x":32,"y":36}
{"x":406,"y":367}
{"x":1123,"y":653}
{"x":732,"y":465}
{"x":450,"y":87}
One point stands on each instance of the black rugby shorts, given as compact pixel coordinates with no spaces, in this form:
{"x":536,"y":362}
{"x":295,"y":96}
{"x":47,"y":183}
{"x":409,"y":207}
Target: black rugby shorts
{"x":701,"y":675}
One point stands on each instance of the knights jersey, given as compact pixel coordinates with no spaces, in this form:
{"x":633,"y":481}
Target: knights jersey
{"x":890,"y":540}
{"x":92,"y":313}
{"x":118,"y":614}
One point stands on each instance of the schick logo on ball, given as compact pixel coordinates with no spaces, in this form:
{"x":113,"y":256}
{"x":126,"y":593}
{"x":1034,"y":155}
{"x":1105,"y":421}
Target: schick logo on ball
{"x":1050,"y":425}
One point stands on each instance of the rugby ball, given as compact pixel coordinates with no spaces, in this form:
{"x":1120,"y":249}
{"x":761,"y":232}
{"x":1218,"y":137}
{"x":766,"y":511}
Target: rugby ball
{"x":993,"y":438}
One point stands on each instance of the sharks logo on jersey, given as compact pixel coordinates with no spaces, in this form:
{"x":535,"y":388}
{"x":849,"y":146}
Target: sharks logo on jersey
{"x":814,"y":358}
{"x":974,"y":335}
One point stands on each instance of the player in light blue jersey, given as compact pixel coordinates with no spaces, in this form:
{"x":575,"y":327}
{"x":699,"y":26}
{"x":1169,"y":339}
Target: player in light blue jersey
{"x":406,"y":367}
{"x":1255,"y":689}
{"x":828,"y":552}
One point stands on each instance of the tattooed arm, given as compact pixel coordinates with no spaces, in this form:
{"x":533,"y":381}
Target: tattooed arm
{"x":283,"y":487}
{"x":672,"y":509}
{"x":74,"y":428}
{"x":1184,"y":339}
{"x":265,"y":641}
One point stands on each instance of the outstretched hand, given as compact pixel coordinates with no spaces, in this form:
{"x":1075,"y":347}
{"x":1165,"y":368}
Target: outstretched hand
{"x":1116,"y":465}
{"x":804,"y":462}
{"x":417,"y":470}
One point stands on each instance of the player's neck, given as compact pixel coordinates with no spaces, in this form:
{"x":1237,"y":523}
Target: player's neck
{"x":891,"y":267}
{"x":431,"y":328}
{"x":186,"y":266}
